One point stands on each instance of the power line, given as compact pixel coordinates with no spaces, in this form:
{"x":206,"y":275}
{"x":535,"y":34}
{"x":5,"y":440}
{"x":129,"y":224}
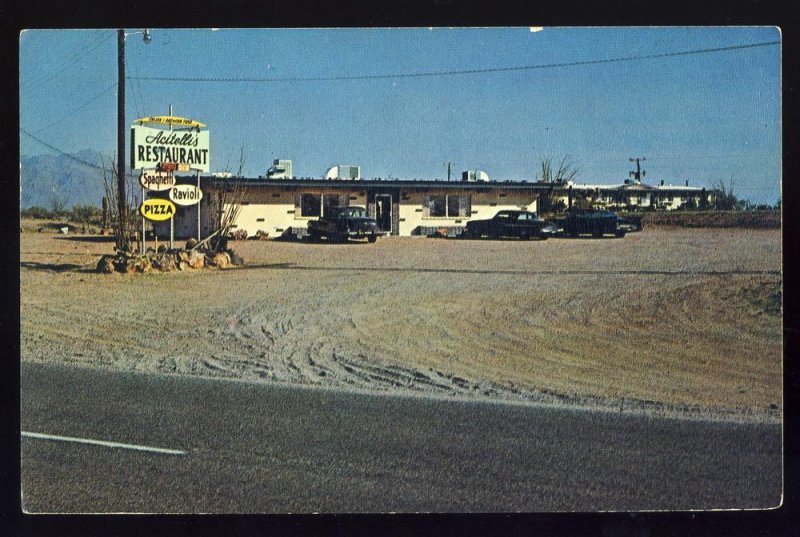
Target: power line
{"x":81,"y":54}
{"x":61,"y":152}
{"x":78,"y":108}
{"x":138,"y":100}
{"x":466,"y":71}
{"x":57,"y":150}
{"x":69,"y":57}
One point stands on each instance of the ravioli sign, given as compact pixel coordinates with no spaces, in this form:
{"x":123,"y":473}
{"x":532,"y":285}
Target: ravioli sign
{"x":185,"y":194}
{"x":157,"y":209}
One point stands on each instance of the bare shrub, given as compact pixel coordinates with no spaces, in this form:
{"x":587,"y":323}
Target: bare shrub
{"x":123,"y":224}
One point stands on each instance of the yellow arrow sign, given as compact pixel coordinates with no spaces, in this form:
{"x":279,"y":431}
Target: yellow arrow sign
{"x":170,"y":120}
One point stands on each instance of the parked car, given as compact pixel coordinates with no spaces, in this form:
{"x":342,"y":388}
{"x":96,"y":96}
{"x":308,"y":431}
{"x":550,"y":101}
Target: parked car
{"x":594,"y":222}
{"x":342,"y":223}
{"x":630,"y":223}
{"x":519,"y":224}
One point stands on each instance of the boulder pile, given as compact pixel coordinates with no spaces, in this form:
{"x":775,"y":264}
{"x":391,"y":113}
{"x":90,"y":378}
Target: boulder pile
{"x":165,"y":260}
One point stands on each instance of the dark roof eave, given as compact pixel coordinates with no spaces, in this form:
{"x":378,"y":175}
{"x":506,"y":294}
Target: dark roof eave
{"x":370,"y":183}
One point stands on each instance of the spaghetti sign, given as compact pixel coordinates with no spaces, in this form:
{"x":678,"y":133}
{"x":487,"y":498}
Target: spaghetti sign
{"x":157,"y":180}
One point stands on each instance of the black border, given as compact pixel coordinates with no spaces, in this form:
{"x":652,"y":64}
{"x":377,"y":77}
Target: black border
{"x":19,"y":14}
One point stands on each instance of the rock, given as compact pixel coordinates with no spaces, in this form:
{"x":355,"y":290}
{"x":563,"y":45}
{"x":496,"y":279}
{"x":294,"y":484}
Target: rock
{"x":143,"y":265}
{"x":219,"y":259}
{"x":191,"y":243}
{"x":120,"y":262}
{"x":196,"y":260}
{"x":106,"y":264}
{"x":236,"y":259}
{"x":164,"y":262}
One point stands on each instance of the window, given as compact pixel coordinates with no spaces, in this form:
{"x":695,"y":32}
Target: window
{"x":441,"y":206}
{"x":352,"y":212}
{"x":335,"y":200}
{"x":310,"y":204}
{"x":436,"y":206}
{"x":452,"y":206}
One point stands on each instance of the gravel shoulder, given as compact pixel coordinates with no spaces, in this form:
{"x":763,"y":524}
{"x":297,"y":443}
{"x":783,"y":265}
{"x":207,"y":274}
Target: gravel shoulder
{"x":667,"y":321}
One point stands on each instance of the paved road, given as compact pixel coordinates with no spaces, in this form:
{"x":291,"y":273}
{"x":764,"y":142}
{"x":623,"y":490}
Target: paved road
{"x":266,"y":449}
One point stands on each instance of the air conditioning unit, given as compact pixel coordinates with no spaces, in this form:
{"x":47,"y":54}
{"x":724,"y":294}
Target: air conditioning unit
{"x":281,"y":169}
{"x":474,"y":175}
{"x":342,"y":171}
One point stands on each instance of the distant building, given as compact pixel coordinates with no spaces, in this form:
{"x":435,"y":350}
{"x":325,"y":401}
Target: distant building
{"x":636,"y":195}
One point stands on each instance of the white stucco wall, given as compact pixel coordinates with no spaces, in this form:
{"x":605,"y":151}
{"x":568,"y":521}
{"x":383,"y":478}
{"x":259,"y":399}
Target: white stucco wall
{"x":273,"y":210}
{"x":484,"y":206}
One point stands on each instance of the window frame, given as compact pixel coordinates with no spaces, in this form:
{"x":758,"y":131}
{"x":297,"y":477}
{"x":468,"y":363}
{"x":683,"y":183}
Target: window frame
{"x":463,"y":206}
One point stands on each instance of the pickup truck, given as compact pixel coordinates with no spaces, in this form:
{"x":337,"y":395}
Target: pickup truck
{"x":342,"y":223}
{"x":594,"y":222}
{"x":520,"y":224}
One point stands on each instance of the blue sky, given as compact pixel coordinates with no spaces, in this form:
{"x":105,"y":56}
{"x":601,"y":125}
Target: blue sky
{"x":698,"y":117}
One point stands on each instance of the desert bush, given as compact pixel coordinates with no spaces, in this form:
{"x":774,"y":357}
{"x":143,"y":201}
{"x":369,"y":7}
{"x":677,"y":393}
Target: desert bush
{"x":239,"y":234}
{"x":88,"y":214}
{"x":37,"y":212}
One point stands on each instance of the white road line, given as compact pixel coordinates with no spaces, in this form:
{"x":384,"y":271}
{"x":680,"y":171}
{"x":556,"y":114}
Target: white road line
{"x":103,"y":443}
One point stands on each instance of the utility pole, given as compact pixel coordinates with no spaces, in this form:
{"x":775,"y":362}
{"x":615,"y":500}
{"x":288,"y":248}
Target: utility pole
{"x":122,"y":175}
{"x":639,"y":173}
{"x":122,"y":205}
{"x":448,"y":169}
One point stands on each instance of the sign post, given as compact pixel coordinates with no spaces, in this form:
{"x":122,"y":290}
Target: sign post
{"x":144,"y":245}
{"x":183,"y":147}
{"x":199,"y":238}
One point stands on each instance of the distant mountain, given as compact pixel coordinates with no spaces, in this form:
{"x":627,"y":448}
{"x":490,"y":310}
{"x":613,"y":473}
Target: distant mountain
{"x":45,"y":178}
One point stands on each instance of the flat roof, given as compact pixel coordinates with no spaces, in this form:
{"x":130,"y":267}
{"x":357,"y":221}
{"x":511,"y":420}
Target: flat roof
{"x":378,"y":184}
{"x":357,"y":184}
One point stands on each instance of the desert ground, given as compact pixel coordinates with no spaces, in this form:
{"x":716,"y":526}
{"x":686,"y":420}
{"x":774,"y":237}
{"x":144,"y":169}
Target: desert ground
{"x":673,"y":321}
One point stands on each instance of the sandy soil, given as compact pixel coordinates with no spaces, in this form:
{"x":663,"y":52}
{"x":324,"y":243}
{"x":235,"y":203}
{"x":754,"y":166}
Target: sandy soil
{"x":670,"y":321}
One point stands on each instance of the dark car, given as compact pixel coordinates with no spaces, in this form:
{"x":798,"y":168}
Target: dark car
{"x":594,"y":222}
{"x":519,"y":224}
{"x":630,"y":223}
{"x":342,"y":223}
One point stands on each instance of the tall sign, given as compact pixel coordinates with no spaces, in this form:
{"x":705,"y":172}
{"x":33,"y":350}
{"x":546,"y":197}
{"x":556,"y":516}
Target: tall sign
{"x":151,"y":147}
{"x":175,"y":144}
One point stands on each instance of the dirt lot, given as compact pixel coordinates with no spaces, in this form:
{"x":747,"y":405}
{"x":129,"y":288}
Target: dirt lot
{"x":668,"y":320}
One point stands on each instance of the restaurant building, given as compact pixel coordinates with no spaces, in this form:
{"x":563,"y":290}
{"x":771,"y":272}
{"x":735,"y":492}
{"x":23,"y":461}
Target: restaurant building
{"x":283,"y":207}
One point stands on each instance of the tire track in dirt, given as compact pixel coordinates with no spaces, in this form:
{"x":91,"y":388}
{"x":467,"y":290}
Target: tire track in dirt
{"x":514,"y":321}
